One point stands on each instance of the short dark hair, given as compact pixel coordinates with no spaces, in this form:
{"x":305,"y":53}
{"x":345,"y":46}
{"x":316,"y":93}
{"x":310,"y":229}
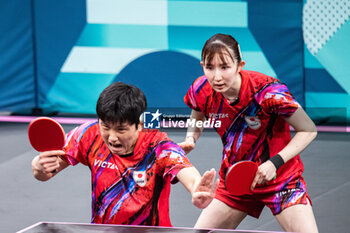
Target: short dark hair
{"x":120,"y":103}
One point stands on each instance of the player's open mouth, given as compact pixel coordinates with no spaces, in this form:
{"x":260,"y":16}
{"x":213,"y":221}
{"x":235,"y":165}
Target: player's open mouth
{"x":219,"y":86}
{"x":116,"y":146}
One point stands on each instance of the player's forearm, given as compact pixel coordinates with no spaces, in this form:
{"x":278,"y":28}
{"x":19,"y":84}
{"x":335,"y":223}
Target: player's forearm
{"x":192,"y":130}
{"x":305,"y":132}
{"x":188,"y":177}
{"x":298,"y":143}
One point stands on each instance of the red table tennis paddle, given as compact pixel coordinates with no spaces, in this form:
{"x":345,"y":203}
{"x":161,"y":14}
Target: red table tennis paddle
{"x":240,"y":176}
{"x":46,"y":134}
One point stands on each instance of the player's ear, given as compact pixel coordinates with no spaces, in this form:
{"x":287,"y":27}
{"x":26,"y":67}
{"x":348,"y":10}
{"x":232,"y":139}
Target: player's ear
{"x":140,"y":126}
{"x":241,"y":65}
{"x":141,"y":118}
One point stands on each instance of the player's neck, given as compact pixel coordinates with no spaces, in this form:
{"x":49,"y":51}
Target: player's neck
{"x":233,"y":93}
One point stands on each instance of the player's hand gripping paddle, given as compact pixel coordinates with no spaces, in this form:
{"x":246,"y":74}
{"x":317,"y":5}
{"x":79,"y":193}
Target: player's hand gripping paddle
{"x":46,"y":134}
{"x":240,"y":176}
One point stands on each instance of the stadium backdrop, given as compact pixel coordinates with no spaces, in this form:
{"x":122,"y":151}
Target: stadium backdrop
{"x":58,"y":55}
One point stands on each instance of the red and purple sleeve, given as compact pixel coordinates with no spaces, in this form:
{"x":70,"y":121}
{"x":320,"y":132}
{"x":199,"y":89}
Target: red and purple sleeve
{"x":190,"y":99}
{"x":172,"y":159}
{"x":193,"y":95}
{"x":277,"y":99}
{"x":75,"y":144}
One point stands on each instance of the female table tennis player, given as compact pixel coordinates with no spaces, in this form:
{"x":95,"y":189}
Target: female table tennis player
{"x":255,"y":111}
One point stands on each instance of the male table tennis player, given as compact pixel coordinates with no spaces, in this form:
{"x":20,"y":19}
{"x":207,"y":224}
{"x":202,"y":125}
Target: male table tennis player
{"x":131,"y":168}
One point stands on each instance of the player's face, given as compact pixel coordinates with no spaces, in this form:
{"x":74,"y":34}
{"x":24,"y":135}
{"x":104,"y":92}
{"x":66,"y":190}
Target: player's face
{"x":223,"y":74}
{"x":120,"y":138}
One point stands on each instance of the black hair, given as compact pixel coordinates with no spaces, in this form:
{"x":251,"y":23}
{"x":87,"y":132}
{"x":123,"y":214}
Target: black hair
{"x":120,"y":103}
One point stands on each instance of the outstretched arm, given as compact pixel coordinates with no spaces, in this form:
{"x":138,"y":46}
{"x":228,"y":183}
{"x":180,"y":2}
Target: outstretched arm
{"x":193,"y":133}
{"x":47,"y":164}
{"x":202,"y":188}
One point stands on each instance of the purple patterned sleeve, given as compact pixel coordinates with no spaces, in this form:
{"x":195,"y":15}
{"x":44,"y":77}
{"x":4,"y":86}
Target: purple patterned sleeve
{"x":172,"y":159}
{"x":277,"y":99}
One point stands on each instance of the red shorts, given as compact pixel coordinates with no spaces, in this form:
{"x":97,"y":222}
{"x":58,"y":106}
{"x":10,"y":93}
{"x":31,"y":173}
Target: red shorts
{"x":291,"y":193}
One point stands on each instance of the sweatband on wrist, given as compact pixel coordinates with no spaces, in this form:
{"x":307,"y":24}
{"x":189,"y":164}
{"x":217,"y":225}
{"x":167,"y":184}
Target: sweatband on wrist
{"x":277,"y":161}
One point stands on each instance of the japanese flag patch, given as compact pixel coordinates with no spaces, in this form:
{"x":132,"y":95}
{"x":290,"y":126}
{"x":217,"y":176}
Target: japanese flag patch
{"x":140,"y":178}
{"x":253,"y":122}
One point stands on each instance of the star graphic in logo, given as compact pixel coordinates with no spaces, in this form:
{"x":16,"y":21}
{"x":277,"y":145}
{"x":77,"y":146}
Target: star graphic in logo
{"x":156,"y":115}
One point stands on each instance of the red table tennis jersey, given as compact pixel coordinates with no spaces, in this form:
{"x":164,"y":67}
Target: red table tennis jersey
{"x":253,"y":128}
{"x":131,"y":190}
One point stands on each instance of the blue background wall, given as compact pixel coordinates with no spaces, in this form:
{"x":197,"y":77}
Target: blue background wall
{"x":59,"y":55}
{"x":326,"y":28}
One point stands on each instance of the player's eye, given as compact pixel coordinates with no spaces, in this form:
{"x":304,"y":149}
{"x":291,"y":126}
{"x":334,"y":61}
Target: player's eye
{"x":105,"y":126}
{"x":122,"y":130}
